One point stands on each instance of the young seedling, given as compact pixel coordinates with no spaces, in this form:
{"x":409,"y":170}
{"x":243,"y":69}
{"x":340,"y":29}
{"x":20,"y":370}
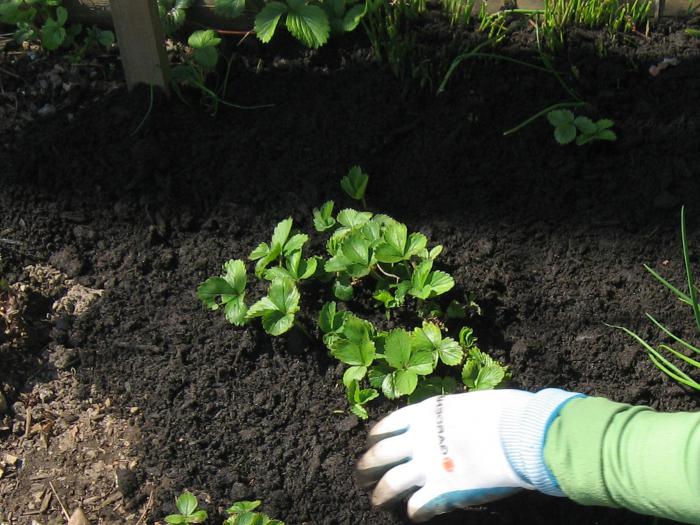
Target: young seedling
{"x":186,"y":504}
{"x":280,"y":245}
{"x":482,"y":372}
{"x":569,"y":128}
{"x":331,"y":321}
{"x":355,"y":184}
{"x":278,"y":308}
{"x":398,"y":246}
{"x":691,"y":299}
{"x":323,"y":217}
{"x":358,"y":397}
{"x":242,"y":513}
{"x":228,"y":291}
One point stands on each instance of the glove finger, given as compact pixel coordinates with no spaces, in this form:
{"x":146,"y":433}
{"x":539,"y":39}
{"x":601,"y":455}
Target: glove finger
{"x":386,"y":454}
{"x":394,"y":424}
{"x":396,"y":483}
{"x":426,"y":504}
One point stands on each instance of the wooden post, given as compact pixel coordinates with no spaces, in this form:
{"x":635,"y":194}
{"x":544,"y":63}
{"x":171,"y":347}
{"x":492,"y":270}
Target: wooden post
{"x":141,"y":42}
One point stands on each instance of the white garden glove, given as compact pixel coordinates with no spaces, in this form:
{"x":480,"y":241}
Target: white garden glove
{"x":460,"y":450}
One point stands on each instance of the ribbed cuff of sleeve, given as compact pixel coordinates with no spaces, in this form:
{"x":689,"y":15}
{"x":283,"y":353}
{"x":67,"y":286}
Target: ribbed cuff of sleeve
{"x":523,"y":431}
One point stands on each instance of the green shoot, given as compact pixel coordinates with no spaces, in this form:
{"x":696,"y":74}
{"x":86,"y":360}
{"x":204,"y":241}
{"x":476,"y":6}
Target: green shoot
{"x":242,"y":513}
{"x":429,"y":338}
{"x":358,"y":397}
{"x":482,"y":372}
{"x":427,"y":283}
{"x":657,"y":354}
{"x":583,"y":130}
{"x":355,"y":184}
{"x":280,"y":245}
{"x":323,"y":217}
{"x":278,"y":308}
{"x":295,"y":268}
{"x":186,"y":504}
{"x":228,"y":291}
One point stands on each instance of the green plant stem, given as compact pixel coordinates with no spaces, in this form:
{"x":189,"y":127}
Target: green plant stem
{"x":689,"y":271}
{"x":148,"y":111}
{"x":539,"y":114}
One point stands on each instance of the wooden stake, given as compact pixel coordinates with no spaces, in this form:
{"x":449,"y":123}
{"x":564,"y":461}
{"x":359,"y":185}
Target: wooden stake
{"x":141,"y":42}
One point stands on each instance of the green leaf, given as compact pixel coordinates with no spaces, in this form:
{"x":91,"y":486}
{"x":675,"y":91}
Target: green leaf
{"x":355,"y":183}
{"x":342,"y":287}
{"x":331,"y":320}
{"x":307,"y":23}
{"x":52,"y":34}
{"x":405,"y":382}
{"x":323,"y":217}
{"x":585,"y":125}
{"x":352,"y":17}
{"x":236,"y":310}
{"x":354,"y":373}
{"x":604,"y":123}
{"x":433,"y":386}
{"x":397,"y":348}
{"x":229,"y":8}
{"x":105,"y":38}
{"x":204,"y":44}
{"x":398,"y":246}
{"x":267,"y":19}
{"x":356,"y":251}
{"x":243,"y":506}
{"x":354,"y":219}
{"x":235,"y":275}
{"x":565,"y":134}
{"x":277,"y":309}
{"x":606,"y":134}
{"x":61,"y":15}
{"x":456,"y":311}
{"x":377,"y":375}
{"x":281,"y":232}
{"x":295,"y":243}
{"x":560,"y":117}
{"x":440,"y":283}
{"x":490,"y":376}
{"x":175,"y":519}
{"x":466,"y":337}
{"x":359,"y":411}
{"x":186,"y":503}
{"x":428,"y":337}
{"x":356,"y":348}
{"x":450,"y":352}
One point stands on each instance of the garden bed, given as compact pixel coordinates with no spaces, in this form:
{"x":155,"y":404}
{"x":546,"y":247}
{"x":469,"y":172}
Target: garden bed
{"x":550,"y":239}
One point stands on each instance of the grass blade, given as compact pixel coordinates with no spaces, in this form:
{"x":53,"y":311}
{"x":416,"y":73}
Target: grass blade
{"x":681,"y":295}
{"x":671,"y":334}
{"x":689,"y":271}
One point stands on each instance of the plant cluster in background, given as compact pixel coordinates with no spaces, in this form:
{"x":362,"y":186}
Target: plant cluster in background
{"x":46,"y":22}
{"x":658,"y":354}
{"x":370,"y":253}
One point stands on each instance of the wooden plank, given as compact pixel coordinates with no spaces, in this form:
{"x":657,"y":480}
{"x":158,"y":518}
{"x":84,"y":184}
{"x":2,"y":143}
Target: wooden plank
{"x":141,"y":42}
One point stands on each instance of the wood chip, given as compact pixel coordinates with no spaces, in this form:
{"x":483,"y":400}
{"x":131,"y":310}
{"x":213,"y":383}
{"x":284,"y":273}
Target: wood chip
{"x":78,"y":518}
{"x":45,"y":502}
{"x":10,"y":459}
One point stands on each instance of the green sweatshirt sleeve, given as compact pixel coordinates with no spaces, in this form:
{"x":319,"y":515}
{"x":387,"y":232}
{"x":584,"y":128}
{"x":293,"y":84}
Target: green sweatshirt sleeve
{"x":617,"y":455}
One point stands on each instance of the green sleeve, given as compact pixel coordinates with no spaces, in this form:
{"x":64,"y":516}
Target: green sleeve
{"x":616,"y":455}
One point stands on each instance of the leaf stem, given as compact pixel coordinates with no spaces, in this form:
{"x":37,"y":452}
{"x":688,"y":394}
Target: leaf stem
{"x":539,"y":114}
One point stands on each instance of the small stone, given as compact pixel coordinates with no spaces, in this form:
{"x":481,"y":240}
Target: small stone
{"x":46,"y":110}
{"x":133,"y":410}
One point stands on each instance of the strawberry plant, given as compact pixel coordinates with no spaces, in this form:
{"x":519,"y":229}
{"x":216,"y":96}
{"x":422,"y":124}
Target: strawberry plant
{"x":377,"y":254}
{"x":186,"y":504}
{"x":569,"y":128}
{"x":242,"y":513}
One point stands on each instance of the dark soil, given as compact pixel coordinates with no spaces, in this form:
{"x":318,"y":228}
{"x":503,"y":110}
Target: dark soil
{"x":551,"y":239}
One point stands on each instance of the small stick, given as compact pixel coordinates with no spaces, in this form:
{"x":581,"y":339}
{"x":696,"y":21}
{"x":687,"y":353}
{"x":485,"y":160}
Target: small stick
{"x":148,"y":507}
{"x":63,"y":509}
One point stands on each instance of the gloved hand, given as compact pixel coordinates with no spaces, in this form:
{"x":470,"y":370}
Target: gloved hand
{"x":460,"y":450}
